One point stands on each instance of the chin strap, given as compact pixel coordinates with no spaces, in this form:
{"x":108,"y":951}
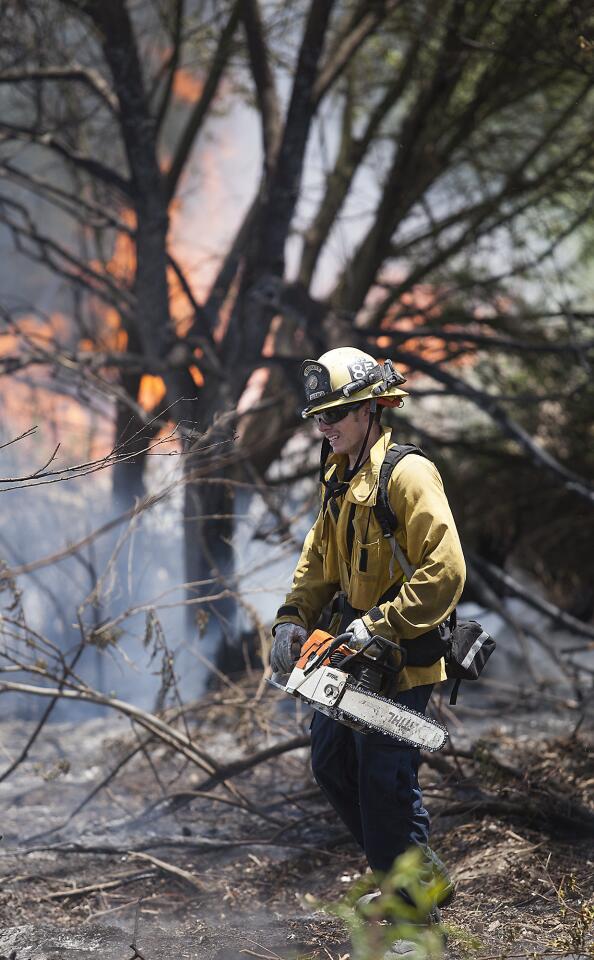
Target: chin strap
{"x":335,"y":487}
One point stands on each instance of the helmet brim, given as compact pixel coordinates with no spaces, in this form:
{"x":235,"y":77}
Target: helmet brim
{"x":366,"y":394}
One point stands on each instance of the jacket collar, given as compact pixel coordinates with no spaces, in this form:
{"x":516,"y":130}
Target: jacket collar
{"x":363,"y":486}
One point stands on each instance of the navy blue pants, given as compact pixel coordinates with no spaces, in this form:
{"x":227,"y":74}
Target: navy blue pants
{"x":371,"y":780}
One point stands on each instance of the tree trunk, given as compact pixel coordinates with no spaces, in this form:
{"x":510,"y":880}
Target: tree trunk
{"x":130,"y":437}
{"x":209,"y":560}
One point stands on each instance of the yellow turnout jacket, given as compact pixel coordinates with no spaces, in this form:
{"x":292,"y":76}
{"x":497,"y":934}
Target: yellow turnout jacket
{"x":345,"y":551}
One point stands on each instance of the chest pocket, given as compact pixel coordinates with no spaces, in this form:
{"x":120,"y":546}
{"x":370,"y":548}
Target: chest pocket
{"x":367,"y":561}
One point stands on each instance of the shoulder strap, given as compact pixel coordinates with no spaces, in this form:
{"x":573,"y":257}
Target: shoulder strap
{"x":388,"y":521}
{"x":324,"y":454}
{"x":386,"y":517}
{"x":332,"y":488}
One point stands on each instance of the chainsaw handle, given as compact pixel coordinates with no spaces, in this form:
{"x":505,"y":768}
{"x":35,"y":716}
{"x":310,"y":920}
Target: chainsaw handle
{"x":400,"y":651}
{"x":389,"y":642}
{"x":344,"y":638}
{"x":327,"y":652}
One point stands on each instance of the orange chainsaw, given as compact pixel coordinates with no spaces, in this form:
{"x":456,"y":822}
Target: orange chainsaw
{"x":346,"y":685}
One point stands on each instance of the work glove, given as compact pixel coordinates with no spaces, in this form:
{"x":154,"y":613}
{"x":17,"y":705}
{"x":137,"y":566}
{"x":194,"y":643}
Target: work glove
{"x":361,"y":636}
{"x":286,"y":646}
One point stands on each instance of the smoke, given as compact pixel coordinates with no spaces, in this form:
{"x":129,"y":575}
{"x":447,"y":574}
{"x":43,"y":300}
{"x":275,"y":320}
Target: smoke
{"x":79,"y":568}
{"x":118,"y":586}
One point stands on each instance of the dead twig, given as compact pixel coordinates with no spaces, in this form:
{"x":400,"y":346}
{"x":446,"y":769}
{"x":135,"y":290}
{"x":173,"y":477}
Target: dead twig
{"x":543,"y":606}
{"x":196,"y":844}
{"x":269,"y":955}
{"x":171,"y":869}
{"x":100,"y":786}
{"x":100,"y":887}
{"x":136,"y":952}
{"x":44,"y":717}
{"x":179,"y":800}
{"x":153,"y":724}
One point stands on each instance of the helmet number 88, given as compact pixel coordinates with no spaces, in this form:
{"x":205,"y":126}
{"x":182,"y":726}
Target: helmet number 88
{"x":360,"y":368}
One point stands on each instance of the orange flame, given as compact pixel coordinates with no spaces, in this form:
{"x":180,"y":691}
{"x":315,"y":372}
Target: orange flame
{"x":404,"y":318}
{"x":196,"y":376}
{"x":151,"y":392}
{"x":40,"y":331}
{"x":182,"y":314}
{"x":186,"y":86}
{"x":199,"y":264}
{"x":122,"y":263}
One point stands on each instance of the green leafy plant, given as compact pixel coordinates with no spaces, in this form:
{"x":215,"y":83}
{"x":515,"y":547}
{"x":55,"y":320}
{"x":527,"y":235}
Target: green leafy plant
{"x":404,"y":910}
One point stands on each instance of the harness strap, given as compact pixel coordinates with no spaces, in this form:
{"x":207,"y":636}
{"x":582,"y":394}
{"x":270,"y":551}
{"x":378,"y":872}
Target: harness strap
{"x":334,"y":509}
{"x":334,"y":487}
{"x":398,"y":552}
{"x":386,"y":517}
{"x":359,"y":461}
{"x":454,"y":693}
{"x":324,"y":454}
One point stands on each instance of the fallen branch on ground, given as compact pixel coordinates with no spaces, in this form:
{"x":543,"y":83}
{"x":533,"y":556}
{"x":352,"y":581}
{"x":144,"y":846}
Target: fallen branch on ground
{"x":122,"y":881}
{"x":171,"y":869}
{"x":196,"y":844}
{"x":149,"y":721}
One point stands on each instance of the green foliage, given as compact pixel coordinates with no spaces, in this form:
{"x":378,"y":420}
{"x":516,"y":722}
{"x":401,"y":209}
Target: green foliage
{"x":376,"y":925}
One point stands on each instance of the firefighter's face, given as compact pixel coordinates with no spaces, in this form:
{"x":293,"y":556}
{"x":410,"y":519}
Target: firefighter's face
{"x":348,"y":434}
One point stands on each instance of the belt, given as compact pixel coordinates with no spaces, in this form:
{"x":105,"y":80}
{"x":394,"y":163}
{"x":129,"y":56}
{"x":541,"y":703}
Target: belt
{"x":348,"y":613}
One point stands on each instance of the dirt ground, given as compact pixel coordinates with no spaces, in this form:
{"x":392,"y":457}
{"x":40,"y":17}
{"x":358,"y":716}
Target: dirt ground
{"x":251,"y":867}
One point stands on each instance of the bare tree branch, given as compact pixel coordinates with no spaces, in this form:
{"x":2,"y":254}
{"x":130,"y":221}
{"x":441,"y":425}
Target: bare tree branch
{"x":172,"y":63}
{"x":363,"y":23}
{"x":483,"y":341}
{"x":88,"y":164}
{"x":150,"y":722}
{"x":83,"y":210}
{"x":351,"y":153}
{"x":199,"y":113}
{"x":511,"y":585}
{"x":61,"y":260}
{"x":266,"y":92}
{"x":118,"y":454}
{"x":24,"y":753}
{"x":490,"y":405}
{"x":91,"y":78}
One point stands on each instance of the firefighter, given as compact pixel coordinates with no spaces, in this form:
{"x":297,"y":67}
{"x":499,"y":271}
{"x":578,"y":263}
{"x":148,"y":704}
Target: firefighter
{"x":371,"y":780}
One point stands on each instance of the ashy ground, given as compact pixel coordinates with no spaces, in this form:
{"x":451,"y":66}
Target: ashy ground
{"x":165,"y":863}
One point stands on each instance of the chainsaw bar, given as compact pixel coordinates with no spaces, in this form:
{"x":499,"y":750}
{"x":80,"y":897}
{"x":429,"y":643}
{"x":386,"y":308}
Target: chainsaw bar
{"x":402,"y":723}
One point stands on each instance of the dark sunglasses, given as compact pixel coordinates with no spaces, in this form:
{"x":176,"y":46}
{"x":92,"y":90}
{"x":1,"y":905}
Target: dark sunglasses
{"x":335,"y":414}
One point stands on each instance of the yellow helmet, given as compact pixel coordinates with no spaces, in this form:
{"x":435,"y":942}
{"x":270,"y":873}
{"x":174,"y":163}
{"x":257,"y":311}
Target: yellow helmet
{"x":348,"y":375}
